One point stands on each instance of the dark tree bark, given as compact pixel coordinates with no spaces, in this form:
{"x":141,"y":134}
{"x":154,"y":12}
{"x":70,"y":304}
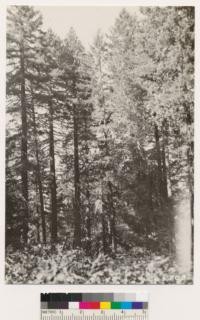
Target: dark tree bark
{"x":24,"y":155}
{"x":104,"y":221}
{"x":150,"y":215}
{"x":38,"y":175}
{"x":77,"y":214}
{"x":104,"y":235}
{"x":190,"y":159}
{"x":112,"y":217}
{"x":37,"y":210}
{"x":159,"y":162}
{"x":88,"y":222}
{"x":87,"y":185}
{"x":88,"y":207}
{"x":150,"y":189}
{"x":164,"y":167}
{"x":104,"y":232}
{"x":53,"y":187}
{"x":165,"y":134}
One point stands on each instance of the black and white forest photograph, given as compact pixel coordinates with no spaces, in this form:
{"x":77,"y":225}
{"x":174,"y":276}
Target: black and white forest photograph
{"x":99,"y":145}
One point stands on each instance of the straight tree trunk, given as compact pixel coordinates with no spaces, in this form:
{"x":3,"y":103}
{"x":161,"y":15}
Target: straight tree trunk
{"x":104,"y":235}
{"x":150,"y":189}
{"x":77,"y":214}
{"x":24,"y":155}
{"x":164,"y":167}
{"x":38,"y":175}
{"x":165,"y":162}
{"x":159,"y":162}
{"x":170,"y":218}
{"x":104,"y":221}
{"x":37,"y":210}
{"x":112,"y":217}
{"x":88,"y":221}
{"x":150,"y":216}
{"x":87,"y":182}
{"x":167,"y":184}
{"x":53,"y":187}
{"x":190,"y":159}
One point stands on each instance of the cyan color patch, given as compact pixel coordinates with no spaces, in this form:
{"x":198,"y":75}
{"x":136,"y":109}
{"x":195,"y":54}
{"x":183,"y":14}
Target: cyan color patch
{"x":126,"y":305}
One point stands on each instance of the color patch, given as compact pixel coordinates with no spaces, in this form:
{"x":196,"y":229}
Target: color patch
{"x":89,"y":305}
{"x":84,"y":305}
{"x":115,"y":305}
{"x":126,"y":305}
{"x":105,"y":305}
{"x":137,"y":305}
{"x":73,"y":305}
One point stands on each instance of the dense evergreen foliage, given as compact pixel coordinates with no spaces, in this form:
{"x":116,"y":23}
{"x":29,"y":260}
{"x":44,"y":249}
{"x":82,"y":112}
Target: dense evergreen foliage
{"x":99,"y":156}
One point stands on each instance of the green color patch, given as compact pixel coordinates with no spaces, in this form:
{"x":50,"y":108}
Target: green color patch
{"x":115,"y":305}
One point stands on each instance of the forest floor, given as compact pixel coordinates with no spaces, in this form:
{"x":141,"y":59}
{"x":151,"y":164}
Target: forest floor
{"x":39,"y":265}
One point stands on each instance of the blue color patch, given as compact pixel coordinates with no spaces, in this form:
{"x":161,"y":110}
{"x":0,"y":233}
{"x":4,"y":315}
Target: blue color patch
{"x":137,"y":305}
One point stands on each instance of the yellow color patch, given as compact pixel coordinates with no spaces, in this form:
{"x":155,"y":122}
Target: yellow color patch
{"x":105,"y":305}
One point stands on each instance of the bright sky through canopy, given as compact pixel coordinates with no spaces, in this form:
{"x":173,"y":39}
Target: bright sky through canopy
{"x":85,"y":20}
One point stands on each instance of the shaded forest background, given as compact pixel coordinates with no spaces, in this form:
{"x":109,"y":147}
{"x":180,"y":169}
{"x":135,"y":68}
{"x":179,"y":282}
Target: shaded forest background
{"x":99,"y":149}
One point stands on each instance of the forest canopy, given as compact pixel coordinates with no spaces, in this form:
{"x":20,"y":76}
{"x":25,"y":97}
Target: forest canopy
{"x":99,"y":149}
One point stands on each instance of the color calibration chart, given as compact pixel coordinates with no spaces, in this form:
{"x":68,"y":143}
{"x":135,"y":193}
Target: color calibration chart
{"x":94,"y":306}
